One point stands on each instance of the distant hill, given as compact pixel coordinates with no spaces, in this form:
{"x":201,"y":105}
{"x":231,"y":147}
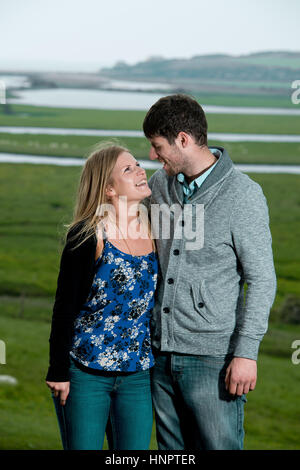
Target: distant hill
{"x":270,"y":70}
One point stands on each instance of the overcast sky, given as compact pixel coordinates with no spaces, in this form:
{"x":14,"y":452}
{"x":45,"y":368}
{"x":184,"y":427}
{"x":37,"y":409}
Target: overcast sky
{"x":87,"y":34}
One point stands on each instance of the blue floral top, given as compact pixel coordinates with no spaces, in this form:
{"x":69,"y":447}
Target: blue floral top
{"x":112,"y":330}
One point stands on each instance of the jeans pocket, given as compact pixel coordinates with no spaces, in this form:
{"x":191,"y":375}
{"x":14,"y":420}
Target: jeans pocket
{"x":218,"y":361}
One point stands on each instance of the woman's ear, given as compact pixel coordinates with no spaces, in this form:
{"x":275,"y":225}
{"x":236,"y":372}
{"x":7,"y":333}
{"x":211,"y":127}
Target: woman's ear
{"x":110,"y":192}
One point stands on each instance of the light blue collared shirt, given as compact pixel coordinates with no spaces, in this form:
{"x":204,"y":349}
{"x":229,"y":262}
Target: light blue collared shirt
{"x":190,"y":189}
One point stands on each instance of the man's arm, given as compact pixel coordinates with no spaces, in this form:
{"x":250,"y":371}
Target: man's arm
{"x":253,"y":246}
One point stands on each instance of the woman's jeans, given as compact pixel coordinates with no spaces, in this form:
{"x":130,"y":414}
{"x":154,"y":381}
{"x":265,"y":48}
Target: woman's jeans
{"x":94,"y":396}
{"x":193,"y":409}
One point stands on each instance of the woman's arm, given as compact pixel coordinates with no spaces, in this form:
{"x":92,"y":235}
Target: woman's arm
{"x":73,"y":286}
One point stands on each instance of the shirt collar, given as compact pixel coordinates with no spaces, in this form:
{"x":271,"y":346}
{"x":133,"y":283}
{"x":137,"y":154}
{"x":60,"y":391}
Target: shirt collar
{"x":196,"y":183}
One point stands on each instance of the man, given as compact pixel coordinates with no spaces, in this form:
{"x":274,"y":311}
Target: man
{"x":206,"y":331}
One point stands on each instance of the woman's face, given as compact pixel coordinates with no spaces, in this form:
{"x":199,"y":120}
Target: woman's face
{"x":128,"y":179}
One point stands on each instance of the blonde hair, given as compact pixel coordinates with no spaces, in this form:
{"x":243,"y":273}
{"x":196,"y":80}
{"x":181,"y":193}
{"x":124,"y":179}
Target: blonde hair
{"x":94,"y":178}
{"x":91,"y":192}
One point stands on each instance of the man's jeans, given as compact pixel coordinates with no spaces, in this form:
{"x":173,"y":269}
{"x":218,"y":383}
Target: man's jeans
{"x":93,"y":397}
{"x":193,"y":409}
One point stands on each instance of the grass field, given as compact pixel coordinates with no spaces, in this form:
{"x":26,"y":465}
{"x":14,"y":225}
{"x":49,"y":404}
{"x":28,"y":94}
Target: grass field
{"x":132,"y":120}
{"x":243,"y":99}
{"x":80,"y":146}
{"x":27,"y":414}
{"x":39,"y":200}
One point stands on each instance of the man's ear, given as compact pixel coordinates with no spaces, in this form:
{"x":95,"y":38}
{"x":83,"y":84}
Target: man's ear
{"x":183,"y":139}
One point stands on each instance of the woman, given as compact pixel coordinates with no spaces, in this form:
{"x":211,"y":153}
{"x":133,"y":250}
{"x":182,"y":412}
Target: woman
{"x":100,"y":352}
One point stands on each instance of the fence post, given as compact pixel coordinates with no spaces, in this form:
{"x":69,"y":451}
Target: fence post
{"x":2,"y":352}
{"x":2,"y":92}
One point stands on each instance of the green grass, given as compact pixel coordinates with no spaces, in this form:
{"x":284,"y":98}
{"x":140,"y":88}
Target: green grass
{"x":283,"y":198}
{"x":243,"y":99}
{"x":270,"y":411}
{"x":25,"y":115}
{"x":262,"y":152}
{"x":253,"y":124}
{"x":132,"y":120}
{"x":27,"y":414}
{"x":80,"y":146}
{"x":271,"y":414}
{"x":67,"y":146}
{"x":39,"y":200}
{"x":27,"y":419}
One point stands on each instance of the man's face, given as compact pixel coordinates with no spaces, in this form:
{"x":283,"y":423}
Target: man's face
{"x":169,"y":155}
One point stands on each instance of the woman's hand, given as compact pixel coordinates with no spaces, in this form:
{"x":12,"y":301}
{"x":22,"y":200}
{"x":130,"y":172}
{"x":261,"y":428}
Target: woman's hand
{"x":60,"y":389}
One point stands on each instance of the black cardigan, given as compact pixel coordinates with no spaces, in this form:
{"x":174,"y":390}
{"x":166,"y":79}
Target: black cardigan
{"x":77,"y":269}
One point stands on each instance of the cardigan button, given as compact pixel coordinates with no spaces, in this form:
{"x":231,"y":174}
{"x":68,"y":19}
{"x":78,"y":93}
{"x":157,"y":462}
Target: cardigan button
{"x":176,"y":252}
{"x":200,"y":304}
{"x":170,"y":281}
{"x":166,"y":310}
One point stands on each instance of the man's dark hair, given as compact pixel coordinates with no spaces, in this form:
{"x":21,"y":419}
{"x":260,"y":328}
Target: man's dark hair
{"x":173,"y":114}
